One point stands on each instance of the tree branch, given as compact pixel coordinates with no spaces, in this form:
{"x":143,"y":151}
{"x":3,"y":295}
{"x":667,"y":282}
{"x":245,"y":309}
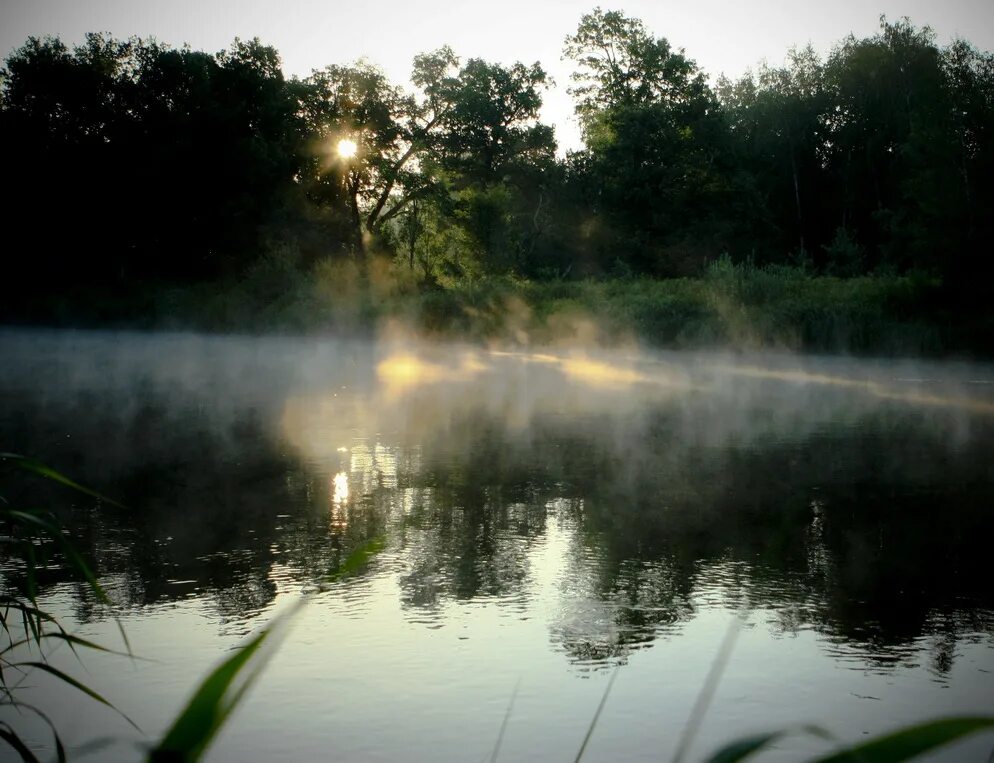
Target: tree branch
{"x":373,"y":217}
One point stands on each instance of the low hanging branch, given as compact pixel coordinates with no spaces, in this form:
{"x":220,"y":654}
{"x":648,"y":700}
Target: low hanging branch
{"x":374,"y":217}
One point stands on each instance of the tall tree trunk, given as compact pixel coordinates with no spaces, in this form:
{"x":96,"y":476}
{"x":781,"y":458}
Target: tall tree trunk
{"x":797,"y":196}
{"x":412,"y":234}
{"x":358,"y":248}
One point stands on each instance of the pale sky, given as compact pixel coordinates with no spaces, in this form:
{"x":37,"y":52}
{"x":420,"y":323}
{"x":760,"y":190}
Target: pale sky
{"x":722,"y":36}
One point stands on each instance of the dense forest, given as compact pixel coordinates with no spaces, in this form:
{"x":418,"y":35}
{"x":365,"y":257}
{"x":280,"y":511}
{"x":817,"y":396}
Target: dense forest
{"x":134,"y":166}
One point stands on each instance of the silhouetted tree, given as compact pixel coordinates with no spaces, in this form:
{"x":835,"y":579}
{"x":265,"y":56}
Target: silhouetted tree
{"x":656,"y":140}
{"x":137,"y":161}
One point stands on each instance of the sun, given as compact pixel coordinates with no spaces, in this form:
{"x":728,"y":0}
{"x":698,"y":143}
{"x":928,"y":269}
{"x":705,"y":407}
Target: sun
{"x":347,"y":148}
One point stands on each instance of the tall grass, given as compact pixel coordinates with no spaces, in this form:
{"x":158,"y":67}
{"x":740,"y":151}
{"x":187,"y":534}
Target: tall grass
{"x":25,"y":627}
{"x":25,"y":624}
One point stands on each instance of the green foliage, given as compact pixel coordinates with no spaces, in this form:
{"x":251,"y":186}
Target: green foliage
{"x":490,"y":126}
{"x":656,"y":142}
{"x":359,"y":104}
{"x":621,"y":65}
{"x":472,"y":127}
{"x":733,"y":306}
{"x":845,"y":256}
{"x":777,"y":119}
{"x":871,"y":142}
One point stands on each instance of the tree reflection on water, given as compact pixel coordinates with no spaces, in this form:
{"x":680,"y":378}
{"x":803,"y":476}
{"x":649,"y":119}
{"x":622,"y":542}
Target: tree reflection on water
{"x":613,"y":515}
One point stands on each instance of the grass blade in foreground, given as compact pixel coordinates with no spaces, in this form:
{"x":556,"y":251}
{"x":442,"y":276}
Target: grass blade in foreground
{"x":740,"y":749}
{"x":28,"y":530}
{"x":8,"y":735}
{"x":30,"y":518}
{"x":357,"y":560}
{"x":503,"y":725}
{"x":216,"y":698}
{"x":66,"y":678}
{"x":709,"y":688}
{"x":50,"y":528}
{"x":597,"y":715}
{"x":30,"y":465}
{"x":906,"y":743}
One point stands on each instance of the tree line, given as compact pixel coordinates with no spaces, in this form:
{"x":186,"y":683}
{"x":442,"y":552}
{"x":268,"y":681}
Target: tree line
{"x":131,"y":162}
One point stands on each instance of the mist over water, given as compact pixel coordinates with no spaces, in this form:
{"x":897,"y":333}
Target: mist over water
{"x":545,"y":516}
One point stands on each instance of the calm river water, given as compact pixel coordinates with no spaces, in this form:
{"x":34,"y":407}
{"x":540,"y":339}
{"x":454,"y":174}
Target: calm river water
{"x":546,"y":521}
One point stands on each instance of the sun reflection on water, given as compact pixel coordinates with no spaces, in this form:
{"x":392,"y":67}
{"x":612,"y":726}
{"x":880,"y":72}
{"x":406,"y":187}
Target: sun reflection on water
{"x":339,"y":501}
{"x":341,"y":489}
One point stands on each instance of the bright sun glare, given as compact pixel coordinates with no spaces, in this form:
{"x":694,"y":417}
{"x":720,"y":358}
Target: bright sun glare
{"x":347,"y":148}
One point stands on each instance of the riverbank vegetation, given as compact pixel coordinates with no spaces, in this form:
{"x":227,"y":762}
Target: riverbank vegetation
{"x":730,"y":305}
{"x":829,"y":203}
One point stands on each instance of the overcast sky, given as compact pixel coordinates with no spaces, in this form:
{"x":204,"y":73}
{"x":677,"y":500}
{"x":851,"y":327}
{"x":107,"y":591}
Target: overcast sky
{"x":721,"y":35}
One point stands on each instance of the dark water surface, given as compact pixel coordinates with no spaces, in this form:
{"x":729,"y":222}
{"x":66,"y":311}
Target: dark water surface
{"x":543,"y":518}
